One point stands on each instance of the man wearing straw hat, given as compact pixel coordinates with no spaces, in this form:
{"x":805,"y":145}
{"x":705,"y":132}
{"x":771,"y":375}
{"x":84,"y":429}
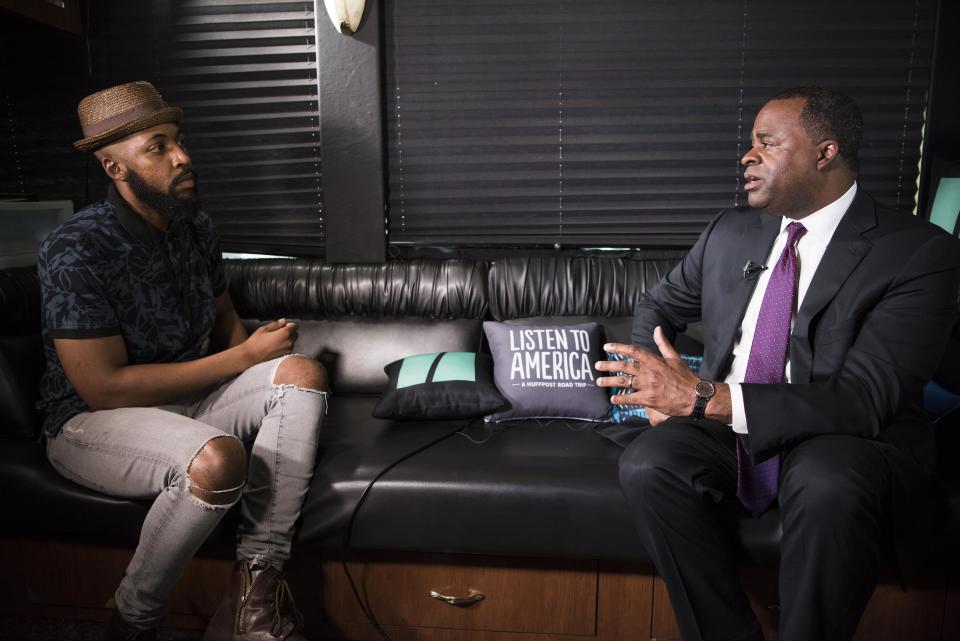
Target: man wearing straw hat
{"x":153,"y":387}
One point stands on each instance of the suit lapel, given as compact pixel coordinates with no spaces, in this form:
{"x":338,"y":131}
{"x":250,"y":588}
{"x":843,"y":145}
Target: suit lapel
{"x":844,"y":252}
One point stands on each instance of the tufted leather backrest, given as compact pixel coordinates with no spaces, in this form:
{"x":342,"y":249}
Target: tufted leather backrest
{"x":355,"y":319}
{"x":310,"y":288}
{"x":21,"y":353}
{"x":579,"y":288}
{"x":575,"y":285}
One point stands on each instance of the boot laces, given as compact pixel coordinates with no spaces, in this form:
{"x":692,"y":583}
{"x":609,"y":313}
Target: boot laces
{"x":284,"y":596}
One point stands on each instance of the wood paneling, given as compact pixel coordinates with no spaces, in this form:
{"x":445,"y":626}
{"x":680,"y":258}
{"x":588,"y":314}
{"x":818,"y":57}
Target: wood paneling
{"x":761,"y":587}
{"x":529,"y":596}
{"x":892,"y":614}
{"x":527,"y":599}
{"x":78,"y":581}
{"x":664,"y":623}
{"x":626,"y":601}
{"x":605,"y":602}
{"x":897,"y":615}
{"x":951,"y":613}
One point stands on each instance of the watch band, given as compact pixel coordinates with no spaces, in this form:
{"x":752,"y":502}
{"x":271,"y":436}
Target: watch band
{"x":700,"y":407}
{"x":705,"y":391}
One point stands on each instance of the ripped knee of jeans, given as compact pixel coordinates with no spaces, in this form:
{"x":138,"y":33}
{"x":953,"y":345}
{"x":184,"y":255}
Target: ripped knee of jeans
{"x":217,"y":473}
{"x":323,"y":396}
{"x":214,"y":499}
{"x":302,"y":372}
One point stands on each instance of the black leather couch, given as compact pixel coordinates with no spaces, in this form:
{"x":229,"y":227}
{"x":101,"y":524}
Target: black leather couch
{"x":531,"y":489}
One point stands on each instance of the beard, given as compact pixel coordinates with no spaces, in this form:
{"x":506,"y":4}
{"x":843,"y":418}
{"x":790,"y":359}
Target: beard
{"x":180,"y":208}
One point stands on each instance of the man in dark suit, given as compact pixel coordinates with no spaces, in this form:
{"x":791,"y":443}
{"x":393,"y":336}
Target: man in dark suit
{"x":824,"y":316}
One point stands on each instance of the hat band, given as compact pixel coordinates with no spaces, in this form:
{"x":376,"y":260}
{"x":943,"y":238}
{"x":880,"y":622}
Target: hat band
{"x":112,"y":122}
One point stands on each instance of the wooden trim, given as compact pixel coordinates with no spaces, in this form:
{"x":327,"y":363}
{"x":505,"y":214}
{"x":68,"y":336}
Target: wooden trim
{"x":77,"y":581}
{"x":621,"y":605}
{"x":892,"y":613}
{"x":603,"y":601}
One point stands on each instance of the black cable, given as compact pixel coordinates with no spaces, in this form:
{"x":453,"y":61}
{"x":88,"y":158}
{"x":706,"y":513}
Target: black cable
{"x":345,"y":547}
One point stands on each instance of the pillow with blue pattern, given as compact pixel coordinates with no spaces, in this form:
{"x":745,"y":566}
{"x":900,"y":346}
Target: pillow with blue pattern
{"x":638,"y":413}
{"x":439,"y":385}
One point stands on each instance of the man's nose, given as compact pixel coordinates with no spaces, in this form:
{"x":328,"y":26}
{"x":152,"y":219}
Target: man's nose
{"x":748,"y":158}
{"x":181,"y":157}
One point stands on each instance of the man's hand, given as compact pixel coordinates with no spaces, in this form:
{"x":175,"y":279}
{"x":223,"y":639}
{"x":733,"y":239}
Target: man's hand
{"x":269,"y":341}
{"x":663,"y":384}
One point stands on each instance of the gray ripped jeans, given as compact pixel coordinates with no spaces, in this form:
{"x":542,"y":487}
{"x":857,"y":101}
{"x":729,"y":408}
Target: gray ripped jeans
{"x":143,"y":453}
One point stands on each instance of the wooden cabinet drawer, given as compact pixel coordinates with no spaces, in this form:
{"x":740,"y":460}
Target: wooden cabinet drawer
{"x":532,"y":596}
{"x":891,"y":614}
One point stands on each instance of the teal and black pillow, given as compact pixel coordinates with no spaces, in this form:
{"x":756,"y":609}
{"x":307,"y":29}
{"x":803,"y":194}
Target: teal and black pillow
{"x":439,"y":385}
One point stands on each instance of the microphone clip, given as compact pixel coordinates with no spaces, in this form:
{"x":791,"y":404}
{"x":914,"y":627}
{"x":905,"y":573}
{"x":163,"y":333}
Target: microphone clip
{"x":752,"y":270}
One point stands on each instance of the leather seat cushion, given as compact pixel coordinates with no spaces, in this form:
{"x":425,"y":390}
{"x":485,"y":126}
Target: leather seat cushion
{"x":518,"y":489}
{"x":41,"y":504}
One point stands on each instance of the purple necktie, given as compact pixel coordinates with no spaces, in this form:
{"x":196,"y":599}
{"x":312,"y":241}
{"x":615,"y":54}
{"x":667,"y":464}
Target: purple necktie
{"x":757,"y":484}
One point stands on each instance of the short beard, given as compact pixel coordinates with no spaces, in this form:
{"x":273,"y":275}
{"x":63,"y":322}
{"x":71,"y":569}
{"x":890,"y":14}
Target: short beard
{"x":182,"y":208}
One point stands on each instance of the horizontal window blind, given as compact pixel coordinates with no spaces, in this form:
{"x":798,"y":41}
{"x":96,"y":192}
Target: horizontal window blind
{"x":618,"y":123}
{"x":42,"y":77}
{"x":245,"y":74}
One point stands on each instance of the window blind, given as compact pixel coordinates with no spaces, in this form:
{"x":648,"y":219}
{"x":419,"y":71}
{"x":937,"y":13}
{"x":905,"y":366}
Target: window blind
{"x":245,"y":73}
{"x":619,"y":123}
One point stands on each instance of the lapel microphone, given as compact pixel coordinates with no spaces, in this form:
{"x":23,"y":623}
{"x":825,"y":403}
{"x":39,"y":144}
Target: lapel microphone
{"x":751,"y":270}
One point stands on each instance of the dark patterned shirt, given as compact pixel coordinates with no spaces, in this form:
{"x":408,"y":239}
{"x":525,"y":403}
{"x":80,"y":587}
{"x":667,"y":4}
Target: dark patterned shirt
{"x":107,"y":272}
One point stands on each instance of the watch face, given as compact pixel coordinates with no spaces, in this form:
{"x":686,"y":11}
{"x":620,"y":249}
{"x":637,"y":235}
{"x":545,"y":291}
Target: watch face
{"x":705,"y":389}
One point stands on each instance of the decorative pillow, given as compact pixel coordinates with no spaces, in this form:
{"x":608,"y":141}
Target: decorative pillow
{"x":939,"y":401}
{"x":547,"y":371}
{"x":439,"y":385}
{"x":634,"y":413}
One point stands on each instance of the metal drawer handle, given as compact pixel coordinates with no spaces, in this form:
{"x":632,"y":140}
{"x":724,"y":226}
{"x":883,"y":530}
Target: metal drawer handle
{"x":461,"y":601}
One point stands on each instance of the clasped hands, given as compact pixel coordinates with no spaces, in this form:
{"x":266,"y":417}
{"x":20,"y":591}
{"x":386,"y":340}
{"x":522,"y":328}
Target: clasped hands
{"x":663,"y":384}
{"x":271,"y":340}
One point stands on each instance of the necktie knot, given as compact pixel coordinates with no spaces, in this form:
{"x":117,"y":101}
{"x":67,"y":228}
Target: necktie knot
{"x":795,"y":232}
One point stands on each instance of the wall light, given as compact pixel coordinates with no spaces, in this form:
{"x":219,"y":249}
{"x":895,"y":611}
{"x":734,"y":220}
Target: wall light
{"x":345,"y":14}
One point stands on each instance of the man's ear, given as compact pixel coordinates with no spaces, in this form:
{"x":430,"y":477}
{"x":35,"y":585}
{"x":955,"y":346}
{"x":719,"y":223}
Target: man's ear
{"x":827,"y":152}
{"x":112,"y":167}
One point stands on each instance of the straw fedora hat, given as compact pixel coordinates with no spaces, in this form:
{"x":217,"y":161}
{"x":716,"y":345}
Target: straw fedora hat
{"x":117,"y":112}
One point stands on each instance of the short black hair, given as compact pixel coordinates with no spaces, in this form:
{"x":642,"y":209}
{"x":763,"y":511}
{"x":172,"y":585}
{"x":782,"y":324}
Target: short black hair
{"x":828,"y":113}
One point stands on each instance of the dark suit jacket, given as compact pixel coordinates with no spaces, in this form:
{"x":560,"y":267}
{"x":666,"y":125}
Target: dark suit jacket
{"x":870,"y":332}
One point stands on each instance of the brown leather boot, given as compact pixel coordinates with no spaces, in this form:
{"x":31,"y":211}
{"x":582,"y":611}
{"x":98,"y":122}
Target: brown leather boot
{"x":120,"y":630}
{"x":258,"y":606}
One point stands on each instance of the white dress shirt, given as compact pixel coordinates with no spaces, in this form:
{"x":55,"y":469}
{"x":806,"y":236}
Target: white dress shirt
{"x":810,"y":249}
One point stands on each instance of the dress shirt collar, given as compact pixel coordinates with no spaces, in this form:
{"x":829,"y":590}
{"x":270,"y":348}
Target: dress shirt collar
{"x":822,"y":223}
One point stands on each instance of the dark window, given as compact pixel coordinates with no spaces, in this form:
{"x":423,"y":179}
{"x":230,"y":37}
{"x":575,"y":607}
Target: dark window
{"x":246,"y":75}
{"x":621,"y":123}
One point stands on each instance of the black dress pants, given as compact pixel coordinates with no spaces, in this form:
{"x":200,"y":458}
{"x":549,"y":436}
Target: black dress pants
{"x":679,"y":479}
